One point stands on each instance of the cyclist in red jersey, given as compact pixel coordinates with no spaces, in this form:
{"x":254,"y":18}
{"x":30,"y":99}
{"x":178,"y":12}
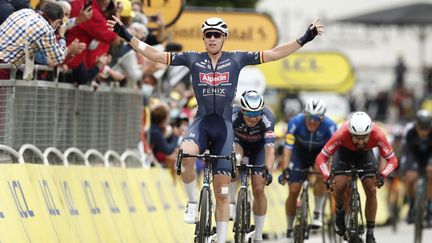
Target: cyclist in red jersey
{"x":353,"y":143}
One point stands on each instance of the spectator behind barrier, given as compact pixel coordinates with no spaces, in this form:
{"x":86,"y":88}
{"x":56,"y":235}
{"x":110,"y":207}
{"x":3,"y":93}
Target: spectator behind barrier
{"x":15,"y":45}
{"x":95,"y":34}
{"x":127,"y":62}
{"x":6,"y":9}
{"x":164,"y":139}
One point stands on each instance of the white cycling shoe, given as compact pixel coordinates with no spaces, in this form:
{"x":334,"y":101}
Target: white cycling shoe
{"x":232,"y":211}
{"x":317,"y":221}
{"x":190,"y":213}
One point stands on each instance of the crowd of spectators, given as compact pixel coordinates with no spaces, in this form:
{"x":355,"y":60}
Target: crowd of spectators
{"x":72,"y":35}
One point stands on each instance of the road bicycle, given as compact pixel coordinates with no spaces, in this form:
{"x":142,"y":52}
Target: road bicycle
{"x":204,"y":232}
{"x":355,"y":222}
{"x":303,"y":215}
{"x":243,"y":230}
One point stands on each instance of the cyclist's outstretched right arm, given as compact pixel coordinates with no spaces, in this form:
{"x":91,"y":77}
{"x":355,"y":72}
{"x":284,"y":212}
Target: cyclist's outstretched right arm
{"x":141,"y":47}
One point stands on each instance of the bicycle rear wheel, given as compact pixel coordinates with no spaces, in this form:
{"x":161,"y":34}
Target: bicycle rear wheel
{"x":204,"y":224}
{"x":242,"y":218}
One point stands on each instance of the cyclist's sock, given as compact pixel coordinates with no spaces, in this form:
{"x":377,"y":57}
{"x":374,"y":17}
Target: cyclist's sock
{"x":319,"y":203}
{"x":232,"y":191}
{"x":190,"y":190}
{"x":221,"y":230}
{"x":290,"y":221}
{"x":259,"y":225}
{"x":370,"y":225}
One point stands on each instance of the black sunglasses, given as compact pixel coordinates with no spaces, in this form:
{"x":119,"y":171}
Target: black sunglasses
{"x":216,"y":35}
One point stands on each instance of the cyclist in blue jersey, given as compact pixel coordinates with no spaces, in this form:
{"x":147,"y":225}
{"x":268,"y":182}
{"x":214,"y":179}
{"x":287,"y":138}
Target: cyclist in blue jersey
{"x":307,"y":134}
{"x":214,"y":80}
{"x":254,"y":143}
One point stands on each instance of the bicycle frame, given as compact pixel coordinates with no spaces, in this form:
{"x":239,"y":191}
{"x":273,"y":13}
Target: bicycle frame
{"x":242,"y":227}
{"x":302,"y":227}
{"x":355,"y":223}
{"x":203,"y":228}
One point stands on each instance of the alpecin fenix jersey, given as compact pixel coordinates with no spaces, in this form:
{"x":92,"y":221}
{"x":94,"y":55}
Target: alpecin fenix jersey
{"x":215,"y":88}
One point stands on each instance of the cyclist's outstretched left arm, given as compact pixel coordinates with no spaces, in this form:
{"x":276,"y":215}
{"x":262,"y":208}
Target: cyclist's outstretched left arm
{"x":281,"y":51}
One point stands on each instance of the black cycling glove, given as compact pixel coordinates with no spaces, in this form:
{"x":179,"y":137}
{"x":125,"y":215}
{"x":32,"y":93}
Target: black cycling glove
{"x":122,"y":32}
{"x":308,"y":36}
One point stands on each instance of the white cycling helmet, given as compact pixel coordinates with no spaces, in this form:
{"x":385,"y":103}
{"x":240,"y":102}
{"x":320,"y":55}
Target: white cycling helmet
{"x":316,"y":107}
{"x":251,"y":100}
{"x":215,"y":24}
{"x":360,"y":123}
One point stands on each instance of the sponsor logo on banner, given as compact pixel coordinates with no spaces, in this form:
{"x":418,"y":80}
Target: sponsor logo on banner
{"x":214,"y":79}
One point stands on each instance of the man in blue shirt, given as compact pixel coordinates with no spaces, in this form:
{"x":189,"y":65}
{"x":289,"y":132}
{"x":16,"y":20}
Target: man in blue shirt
{"x":214,"y":80}
{"x":307,"y":134}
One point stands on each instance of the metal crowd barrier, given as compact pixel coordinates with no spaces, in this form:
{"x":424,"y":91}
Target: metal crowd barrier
{"x":61,"y":115}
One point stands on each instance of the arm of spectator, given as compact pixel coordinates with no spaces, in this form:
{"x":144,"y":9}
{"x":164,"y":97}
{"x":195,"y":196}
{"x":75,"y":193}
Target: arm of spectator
{"x":141,"y":47}
{"x":159,"y":142}
{"x":55,"y":51}
{"x":76,"y":47}
{"x":84,"y":15}
{"x":129,"y":63}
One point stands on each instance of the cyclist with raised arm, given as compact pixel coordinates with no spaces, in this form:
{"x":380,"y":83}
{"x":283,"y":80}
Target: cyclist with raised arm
{"x":353,"y":143}
{"x":214,"y":80}
{"x":254,"y":139}
{"x":306,"y":135}
{"x":417,"y":159}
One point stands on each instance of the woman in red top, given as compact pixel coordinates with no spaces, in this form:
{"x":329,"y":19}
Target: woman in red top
{"x":353,"y":143}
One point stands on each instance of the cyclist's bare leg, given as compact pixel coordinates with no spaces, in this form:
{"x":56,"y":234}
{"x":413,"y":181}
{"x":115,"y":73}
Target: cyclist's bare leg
{"x":220,"y":188}
{"x":319,"y":193}
{"x":429,"y":181}
{"x":371,"y":203}
{"x":410,"y":181}
{"x":291,"y":203}
{"x":259,"y":204}
{"x":341,"y":184}
{"x":188,"y":170}
{"x":233,"y":185}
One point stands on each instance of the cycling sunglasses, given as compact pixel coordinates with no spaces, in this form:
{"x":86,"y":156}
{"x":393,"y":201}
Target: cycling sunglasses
{"x":216,"y":34}
{"x":252,"y":113}
{"x":311,"y":117}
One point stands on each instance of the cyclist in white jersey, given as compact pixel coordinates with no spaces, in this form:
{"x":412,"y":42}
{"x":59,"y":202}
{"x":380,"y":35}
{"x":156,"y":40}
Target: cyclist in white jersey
{"x":214,"y":79}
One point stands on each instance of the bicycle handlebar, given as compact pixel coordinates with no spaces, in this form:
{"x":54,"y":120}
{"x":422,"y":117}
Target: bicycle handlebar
{"x":352,"y":172}
{"x":205,"y":157}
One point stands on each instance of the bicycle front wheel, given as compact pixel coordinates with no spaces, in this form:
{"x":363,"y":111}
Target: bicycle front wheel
{"x":242,"y":218}
{"x":301,"y":228}
{"x":204,"y":224}
{"x":420,"y":207}
{"x":355,"y":230}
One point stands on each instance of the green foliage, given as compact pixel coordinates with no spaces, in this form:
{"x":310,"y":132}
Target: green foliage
{"x":222,"y":3}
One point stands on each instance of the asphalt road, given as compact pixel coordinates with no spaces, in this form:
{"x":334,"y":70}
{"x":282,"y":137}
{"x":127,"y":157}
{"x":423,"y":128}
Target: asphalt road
{"x":404,"y":234}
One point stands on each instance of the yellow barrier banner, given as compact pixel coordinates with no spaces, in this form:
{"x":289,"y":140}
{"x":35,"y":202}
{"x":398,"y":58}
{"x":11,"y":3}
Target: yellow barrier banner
{"x":46,"y":190}
{"x":139,"y":226}
{"x":11,"y":225}
{"x":75,"y":204}
{"x":117,"y":208}
{"x":153,"y":210}
{"x":28,"y":204}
